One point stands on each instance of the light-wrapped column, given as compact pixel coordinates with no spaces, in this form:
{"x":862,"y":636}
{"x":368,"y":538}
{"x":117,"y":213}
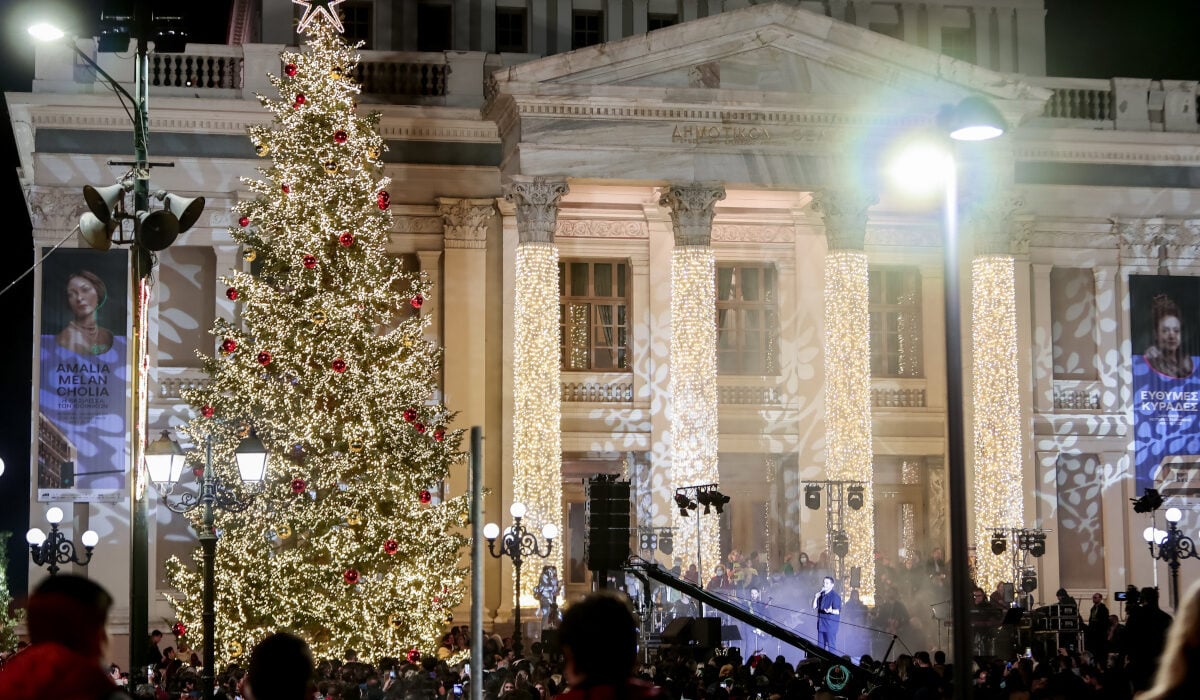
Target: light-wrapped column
{"x":848,"y":370}
{"x":999,"y":499}
{"x":537,"y":397}
{"x":694,"y":364}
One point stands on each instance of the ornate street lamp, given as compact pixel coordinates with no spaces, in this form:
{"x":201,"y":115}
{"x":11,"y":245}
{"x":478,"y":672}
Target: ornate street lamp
{"x":1173,"y":547}
{"x":518,"y":543}
{"x":164,"y":461}
{"x":54,"y":549}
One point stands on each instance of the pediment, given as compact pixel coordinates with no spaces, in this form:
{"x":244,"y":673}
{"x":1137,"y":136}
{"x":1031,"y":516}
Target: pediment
{"x":774,"y":49}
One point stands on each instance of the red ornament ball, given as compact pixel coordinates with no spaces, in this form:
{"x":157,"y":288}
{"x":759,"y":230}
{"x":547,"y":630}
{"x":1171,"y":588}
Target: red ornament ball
{"x":340,"y":136}
{"x":391,"y":546}
{"x":439,"y":434}
{"x":208,"y":411}
{"x":300,"y":98}
{"x":338,"y":365}
{"x":417,"y":301}
{"x":436,"y":600}
{"x":419,"y":427}
{"x":413,"y":656}
{"x":231,"y":294}
{"x":299,"y":485}
{"x":290,"y":69}
{"x":287,"y":189}
{"x":410,"y":414}
{"x":346,"y":239}
{"x":264,"y":358}
{"x":244,"y":221}
{"x":198,"y":472}
{"x":350,"y":576}
{"x":426,"y":497}
{"x":179,"y":629}
{"x":229,"y":345}
{"x":310,"y":261}
{"x":384,"y":199}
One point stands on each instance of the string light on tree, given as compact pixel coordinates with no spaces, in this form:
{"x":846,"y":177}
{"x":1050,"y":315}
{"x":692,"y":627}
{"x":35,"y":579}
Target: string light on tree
{"x":345,"y":474}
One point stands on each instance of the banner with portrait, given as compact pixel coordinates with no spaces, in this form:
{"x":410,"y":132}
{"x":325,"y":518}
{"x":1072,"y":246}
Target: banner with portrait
{"x":1165,"y":332}
{"x":82,"y":424}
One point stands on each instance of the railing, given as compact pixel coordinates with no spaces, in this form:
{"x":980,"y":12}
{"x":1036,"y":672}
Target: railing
{"x":890,"y":397}
{"x":1127,"y":104}
{"x":1078,"y":99}
{"x":748,"y":395}
{"x":202,"y":67}
{"x":173,"y":381}
{"x":382,"y":73}
{"x":598,"y":390}
{"x":1074,"y":395}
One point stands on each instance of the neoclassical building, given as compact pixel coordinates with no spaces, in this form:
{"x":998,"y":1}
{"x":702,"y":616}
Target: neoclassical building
{"x":742,"y":297}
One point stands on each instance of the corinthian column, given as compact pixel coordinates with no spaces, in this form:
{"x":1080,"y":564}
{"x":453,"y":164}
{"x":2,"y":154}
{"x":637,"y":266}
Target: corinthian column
{"x":848,"y":369}
{"x":999,"y":498}
{"x":537,"y":397}
{"x":694,"y":362}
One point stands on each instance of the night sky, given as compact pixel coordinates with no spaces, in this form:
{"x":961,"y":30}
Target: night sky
{"x":1085,"y":38}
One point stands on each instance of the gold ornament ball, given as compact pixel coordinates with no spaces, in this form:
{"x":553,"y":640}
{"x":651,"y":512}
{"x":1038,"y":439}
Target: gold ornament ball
{"x":331,"y":167}
{"x":373,"y":154}
{"x":243,"y":430}
{"x":284,"y":532}
{"x":408,"y":343}
{"x":318,"y":317}
{"x":336,"y":72}
{"x":356,"y":446}
{"x":353,"y":518}
{"x":262,"y":149}
{"x":249,"y":255}
{"x":395,"y":622}
{"x":234,"y":649}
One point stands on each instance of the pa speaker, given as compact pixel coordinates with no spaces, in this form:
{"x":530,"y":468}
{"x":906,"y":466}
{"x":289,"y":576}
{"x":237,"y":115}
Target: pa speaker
{"x":679,"y":631}
{"x":706,"y":631}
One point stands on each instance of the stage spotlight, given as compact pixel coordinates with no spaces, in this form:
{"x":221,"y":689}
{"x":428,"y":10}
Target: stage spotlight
{"x":1150,"y":501}
{"x":1037,"y":547}
{"x":840,"y":544}
{"x":666,"y":543}
{"x":854,"y":497}
{"x":1029,"y":581}
{"x":999,"y":543}
{"x":719,"y":500}
{"x":812,"y":496}
{"x":684,"y":504}
{"x":704,"y":498}
{"x":648,"y":541}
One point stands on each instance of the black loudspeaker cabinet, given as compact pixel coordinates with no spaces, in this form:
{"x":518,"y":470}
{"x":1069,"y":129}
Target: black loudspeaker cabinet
{"x":678,"y":631}
{"x":607,"y":515}
{"x":706,"y":631}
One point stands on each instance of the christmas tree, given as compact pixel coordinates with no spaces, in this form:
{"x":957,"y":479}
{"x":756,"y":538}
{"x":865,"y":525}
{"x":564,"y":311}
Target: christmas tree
{"x":8,"y":623}
{"x":344,"y":545}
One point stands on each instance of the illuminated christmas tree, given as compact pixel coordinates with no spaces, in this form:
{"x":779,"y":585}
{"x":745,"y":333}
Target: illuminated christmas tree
{"x":345,"y":545}
{"x":8,"y":623}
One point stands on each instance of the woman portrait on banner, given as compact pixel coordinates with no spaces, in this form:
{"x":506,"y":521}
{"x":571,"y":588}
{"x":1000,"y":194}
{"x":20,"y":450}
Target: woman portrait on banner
{"x":1167,"y":355}
{"x":86,"y":293}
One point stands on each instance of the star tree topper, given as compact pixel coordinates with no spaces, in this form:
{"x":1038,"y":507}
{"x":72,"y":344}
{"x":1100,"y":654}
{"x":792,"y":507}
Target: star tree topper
{"x":313,"y":8}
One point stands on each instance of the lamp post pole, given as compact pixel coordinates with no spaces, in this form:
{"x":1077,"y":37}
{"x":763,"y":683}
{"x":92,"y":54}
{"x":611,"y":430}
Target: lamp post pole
{"x":1173,"y":547}
{"x":518,"y":542}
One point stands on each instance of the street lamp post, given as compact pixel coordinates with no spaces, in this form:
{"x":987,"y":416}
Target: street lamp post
{"x":518,"y":542}
{"x":153,"y":231}
{"x":50,"y":550}
{"x":1173,"y":547}
{"x":164,"y":461}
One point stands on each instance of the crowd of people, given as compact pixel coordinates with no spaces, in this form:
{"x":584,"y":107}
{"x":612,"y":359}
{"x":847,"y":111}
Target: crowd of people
{"x":597,"y":657}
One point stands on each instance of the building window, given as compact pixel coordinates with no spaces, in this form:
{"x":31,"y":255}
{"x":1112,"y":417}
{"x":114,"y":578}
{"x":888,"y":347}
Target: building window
{"x":356,"y":21}
{"x":658,"y":21}
{"x":510,"y":30}
{"x":747,"y":319}
{"x":593,"y":315}
{"x":895,"y":308}
{"x":435,"y":27}
{"x":586,"y":28}
{"x":959,"y":42}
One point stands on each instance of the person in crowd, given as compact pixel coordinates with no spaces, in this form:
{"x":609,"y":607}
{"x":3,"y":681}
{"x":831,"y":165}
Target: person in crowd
{"x":1167,"y":355}
{"x":1145,"y":634}
{"x":66,"y":618}
{"x":281,"y":668}
{"x":719,"y":582}
{"x":599,"y":642}
{"x":153,"y":653}
{"x":1178,"y":675}
{"x":1095,"y":635}
{"x":828,"y":605}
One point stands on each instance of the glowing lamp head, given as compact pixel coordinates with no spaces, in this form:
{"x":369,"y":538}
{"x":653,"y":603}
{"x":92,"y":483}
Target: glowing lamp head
{"x":517,"y":509}
{"x":1174,"y":515}
{"x":54,"y":516}
{"x":1148,"y":534}
{"x":549,"y":531}
{"x":974,"y":119}
{"x":44,"y":31}
{"x":90,"y":539}
{"x":491,"y":531}
{"x":35,"y":537}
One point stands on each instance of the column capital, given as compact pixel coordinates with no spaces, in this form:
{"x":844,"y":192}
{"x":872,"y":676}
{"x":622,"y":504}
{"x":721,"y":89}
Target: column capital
{"x":844,"y":212}
{"x":536,"y":200}
{"x":465,"y":221}
{"x":692,"y":208}
{"x":994,"y":226}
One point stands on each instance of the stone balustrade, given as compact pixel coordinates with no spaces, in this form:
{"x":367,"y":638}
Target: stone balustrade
{"x":598,"y":391}
{"x":171,"y":382}
{"x":1127,"y":104}
{"x":897,"y":397}
{"x":1071,"y":396}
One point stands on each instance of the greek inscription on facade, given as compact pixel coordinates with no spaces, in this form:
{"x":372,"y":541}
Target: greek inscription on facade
{"x":719,"y":134}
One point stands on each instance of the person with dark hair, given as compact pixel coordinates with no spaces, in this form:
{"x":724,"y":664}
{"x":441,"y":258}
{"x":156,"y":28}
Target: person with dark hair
{"x":1167,"y":355}
{"x":1178,"y":674}
{"x":828,"y":605}
{"x":1145,"y":634}
{"x":153,"y":653}
{"x":281,"y":668}
{"x":66,"y":618}
{"x":1095,"y":634}
{"x":86,"y":294}
{"x":598,"y":638}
